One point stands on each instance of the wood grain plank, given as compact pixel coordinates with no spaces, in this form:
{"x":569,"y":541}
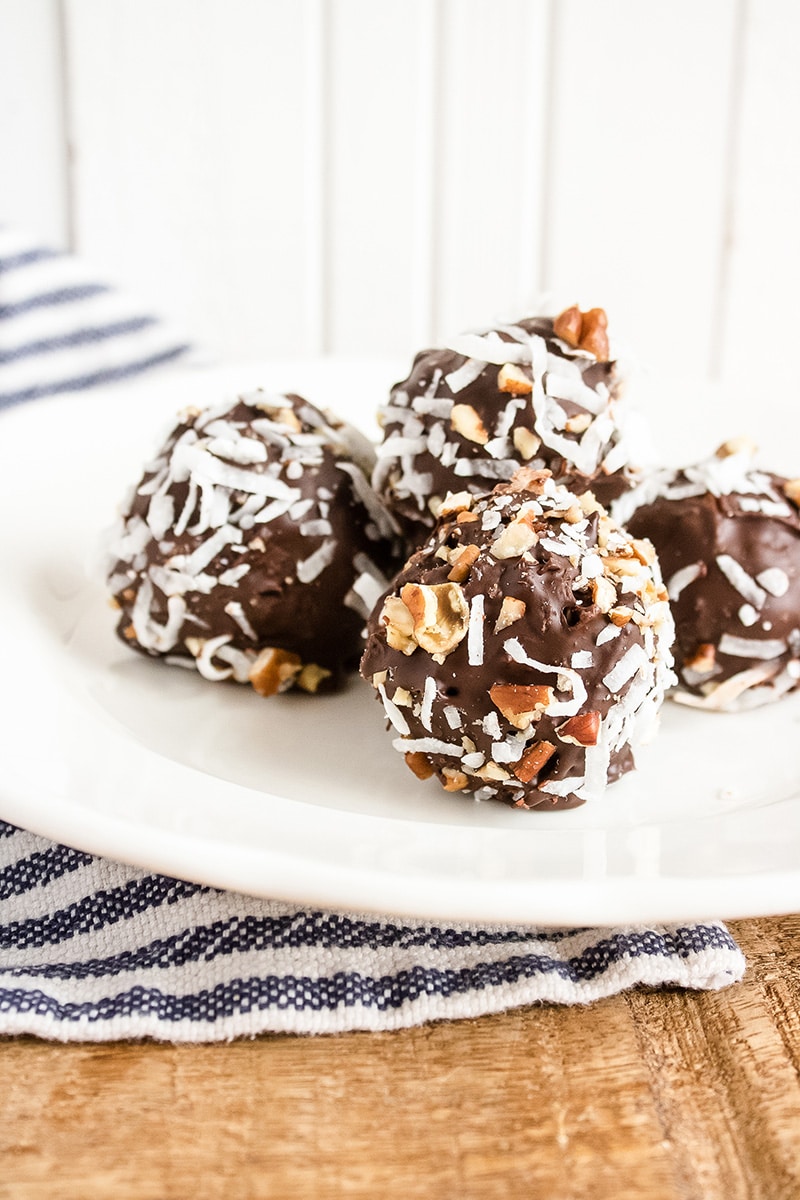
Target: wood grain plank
{"x":724,"y":1070}
{"x":33,"y":149}
{"x":548,"y":1098}
{"x":670,"y":1095}
{"x":638,"y":169}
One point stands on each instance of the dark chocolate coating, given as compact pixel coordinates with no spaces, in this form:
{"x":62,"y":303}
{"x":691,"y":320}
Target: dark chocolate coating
{"x":712,"y":614}
{"x":258,"y":575}
{"x":429,"y":380}
{"x":561,"y":617}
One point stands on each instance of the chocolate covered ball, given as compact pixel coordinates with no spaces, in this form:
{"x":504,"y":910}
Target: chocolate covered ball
{"x":253,"y":548}
{"x":524,"y":651}
{"x":542,"y":392}
{"x":728,"y":538}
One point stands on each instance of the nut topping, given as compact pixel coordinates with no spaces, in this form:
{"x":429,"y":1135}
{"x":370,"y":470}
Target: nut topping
{"x":604,"y":594}
{"x":454,"y":502}
{"x":466,"y":421}
{"x":519,"y":703}
{"x":791,"y":490}
{"x":581,"y":730}
{"x":399,"y":625}
{"x":311,"y":677}
{"x":568,"y":326}
{"x":737,"y":445}
{"x":462,"y":564}
{"x":514,"y":540}
{"x":420,"y":764}
{"x":510,"y":611}
{"x":594,"y":336}
{"x":533,"y":760}
{"x":525,"y":443}
{"x":274,"y":671}
{"x":454,"y":781}
{"x":579,"y":423}
{"x":512,"y":379}
{"x":704,"y":659}
{"x":584,"y":330}
{"x":440,"y":615}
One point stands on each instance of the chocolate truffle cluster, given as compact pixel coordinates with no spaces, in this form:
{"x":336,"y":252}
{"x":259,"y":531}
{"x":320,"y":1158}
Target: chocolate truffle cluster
{"x":542,"y":392}
{"x":728,"y":539}
{"x":253,"y":548}
{"x":524,"y":651}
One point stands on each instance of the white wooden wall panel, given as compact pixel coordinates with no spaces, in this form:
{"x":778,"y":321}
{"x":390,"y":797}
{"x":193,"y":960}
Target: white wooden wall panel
{"x":494,"y":81}
{"x":290,"y":177}
{"x":33,"y":152}
{"x":639,"y":139}
{"x":381,"y":58}
{"x":188,"y":121}
{"x":763,"y":292}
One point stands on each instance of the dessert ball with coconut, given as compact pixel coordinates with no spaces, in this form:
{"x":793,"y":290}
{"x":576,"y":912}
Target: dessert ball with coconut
{"x":523,"y":652}
{"x":253,"y":547}
{"x":728,"y":538}
{"x":542,"y":392}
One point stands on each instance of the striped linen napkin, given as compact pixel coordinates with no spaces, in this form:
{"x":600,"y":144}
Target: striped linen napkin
{"x":92,"y":950}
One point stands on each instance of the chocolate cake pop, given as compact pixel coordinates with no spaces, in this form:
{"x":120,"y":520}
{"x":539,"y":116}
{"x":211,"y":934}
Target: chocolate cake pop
{"x":253,"y":547}
{"x":542,"y":392}
{"x":524,"y":651}
{"x":728,"y":538}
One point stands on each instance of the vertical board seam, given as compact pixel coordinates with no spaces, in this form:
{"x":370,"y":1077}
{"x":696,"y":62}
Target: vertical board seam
{"x":548,"y":147}
{"x":426,"y":265}
{"x":316,"y":138}
{"x":67,"y":128}
{"x":720,"y":316}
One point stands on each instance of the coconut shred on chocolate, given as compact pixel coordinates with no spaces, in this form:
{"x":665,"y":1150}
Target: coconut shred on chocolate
{"x":524,"y":651}
{"x":253,"y":548}
{"x":542,"y":392}
{"x":728,"y":539}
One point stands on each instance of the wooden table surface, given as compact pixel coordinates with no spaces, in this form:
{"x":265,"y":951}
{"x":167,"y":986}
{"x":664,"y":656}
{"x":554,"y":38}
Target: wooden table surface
{"x":663,"y":1095}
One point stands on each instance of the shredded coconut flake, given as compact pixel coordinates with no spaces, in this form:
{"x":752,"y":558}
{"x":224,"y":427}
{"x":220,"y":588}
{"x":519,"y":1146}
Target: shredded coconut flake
{"x":315,"y":564}
{"x":774,"y":580}
{"x":736,"y":575}
{"x":634,"y":658}
{"x":475,"y":632}
{"x":741,"y":647}
{"x":681,"y":579}
{"x":429,"y":745}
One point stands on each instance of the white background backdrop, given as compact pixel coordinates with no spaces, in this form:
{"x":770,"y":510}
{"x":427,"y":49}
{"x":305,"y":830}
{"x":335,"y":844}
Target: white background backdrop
{"x":301,"y":177}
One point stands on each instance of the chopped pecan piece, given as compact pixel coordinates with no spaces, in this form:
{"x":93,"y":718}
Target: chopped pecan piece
{"x":704,"y":659}
{"x":440,"y":615}
{"x":510,"y":611}
{"x":581,"y":730}
{"x":420,"y":764}
{"x":532,"y":761}
{"x":454,"y":781}
{"x":461,"y":566}
{"x":791,"y":490}
{"x":466,"y":421}
{"x":274,"y":671}
{"x":584,"y":330}
{"x":520,"y":702}
{"x":525,"y":442}
{"x":512,"y":379}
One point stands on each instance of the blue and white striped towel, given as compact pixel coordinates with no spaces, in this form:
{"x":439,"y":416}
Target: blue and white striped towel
{"x":91,"y":950}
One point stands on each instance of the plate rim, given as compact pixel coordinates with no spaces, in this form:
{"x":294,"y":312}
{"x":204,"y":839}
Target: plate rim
{"x":261,"y":872}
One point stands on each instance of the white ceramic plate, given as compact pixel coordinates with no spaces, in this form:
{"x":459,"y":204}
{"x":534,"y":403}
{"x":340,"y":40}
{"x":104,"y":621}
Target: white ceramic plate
{"x":303,"y":798}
